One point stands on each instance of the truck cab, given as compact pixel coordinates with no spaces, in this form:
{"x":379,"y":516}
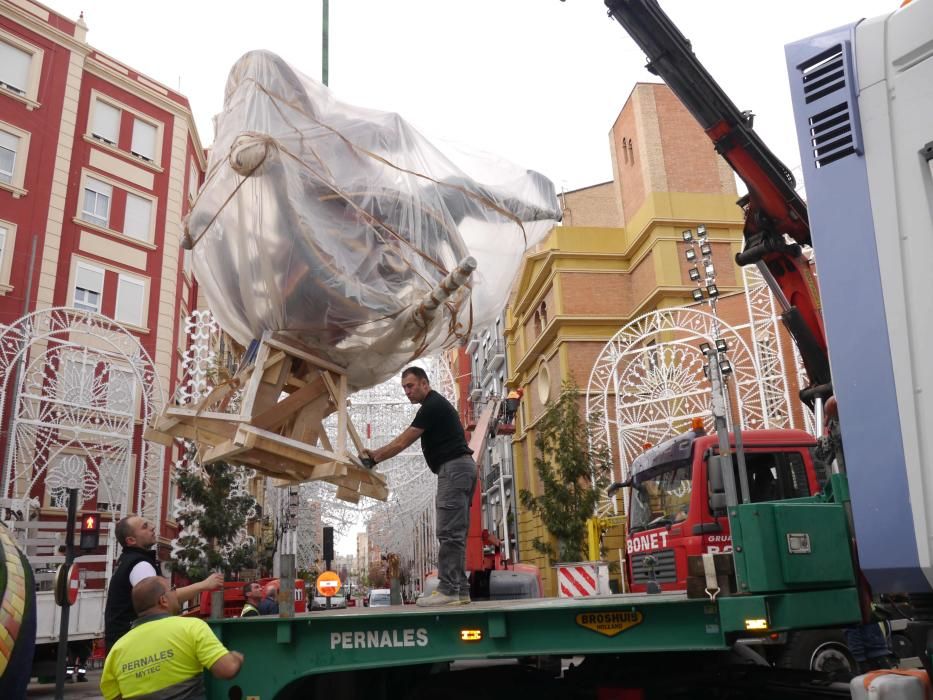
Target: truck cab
{"x":673,"y":509}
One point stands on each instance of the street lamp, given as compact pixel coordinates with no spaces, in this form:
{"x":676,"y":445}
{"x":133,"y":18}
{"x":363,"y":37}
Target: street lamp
{"x":698,"y":249}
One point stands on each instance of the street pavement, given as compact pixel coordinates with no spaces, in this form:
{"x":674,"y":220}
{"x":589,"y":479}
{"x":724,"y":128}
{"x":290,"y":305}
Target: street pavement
{"x":73,"y":691}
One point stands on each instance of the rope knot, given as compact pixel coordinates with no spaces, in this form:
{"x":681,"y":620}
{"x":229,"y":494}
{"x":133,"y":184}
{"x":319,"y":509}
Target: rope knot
{"x":249,"y":151}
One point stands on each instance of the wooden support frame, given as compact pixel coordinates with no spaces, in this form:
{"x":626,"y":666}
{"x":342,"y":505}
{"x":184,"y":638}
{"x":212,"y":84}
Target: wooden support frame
{"x":270,"y":417}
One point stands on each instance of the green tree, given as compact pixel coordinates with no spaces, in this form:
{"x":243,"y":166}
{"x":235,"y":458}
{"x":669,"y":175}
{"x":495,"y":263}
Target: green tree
{"x":568,"y":466}
{"x":213,"y":514}
{"x":377,"y":575}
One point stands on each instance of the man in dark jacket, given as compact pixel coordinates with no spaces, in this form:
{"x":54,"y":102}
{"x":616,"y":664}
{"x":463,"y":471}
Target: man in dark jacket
{"x":269,"y":605}
{"x":138,"y":561}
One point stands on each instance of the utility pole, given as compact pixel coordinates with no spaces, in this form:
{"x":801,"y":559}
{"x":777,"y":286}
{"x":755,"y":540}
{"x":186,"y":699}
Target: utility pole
{"x":63,"y":572}
{"x":324,"y":44}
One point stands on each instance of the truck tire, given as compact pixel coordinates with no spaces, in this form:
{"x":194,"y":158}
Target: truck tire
{"x":818,"y":650}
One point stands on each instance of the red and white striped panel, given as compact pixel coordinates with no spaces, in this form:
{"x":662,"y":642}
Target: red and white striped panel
{"x":577,"y":581}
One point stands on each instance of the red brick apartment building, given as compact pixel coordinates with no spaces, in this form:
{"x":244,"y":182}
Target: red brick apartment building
{"x":99,"y":165}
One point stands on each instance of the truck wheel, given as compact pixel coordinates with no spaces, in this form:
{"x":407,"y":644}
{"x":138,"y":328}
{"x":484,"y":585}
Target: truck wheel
{"x":818,"y":650}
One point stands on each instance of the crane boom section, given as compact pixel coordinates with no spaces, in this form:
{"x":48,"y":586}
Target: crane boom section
{"x":772,"y":207}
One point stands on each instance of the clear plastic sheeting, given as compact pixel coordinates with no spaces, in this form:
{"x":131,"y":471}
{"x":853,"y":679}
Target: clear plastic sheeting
{"x":338,"y":224}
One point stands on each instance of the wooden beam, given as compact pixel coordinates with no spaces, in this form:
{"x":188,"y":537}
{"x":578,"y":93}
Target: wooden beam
{"x":158,"y":437}
{"x":286,"y":447}
{"x":345,"y":494}
{"x":379,"y":492}
{"x":219,"y":394}
{"x":224,"y":451}
{"x":342,"y":415}
{"x":355,"y":437}
{"x":308,"y":423}
{"x":178,"y":413}
{"x":205,"y":434}
{"x":255,"y":376}
{"x":351,"y":429}
{"x":283,"y":410}
{"x":271,"y":387}
{"x":294,"y":347}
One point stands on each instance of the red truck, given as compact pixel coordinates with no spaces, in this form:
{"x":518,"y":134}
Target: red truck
{"x":233,"y":597}
{"x":675,"y":510}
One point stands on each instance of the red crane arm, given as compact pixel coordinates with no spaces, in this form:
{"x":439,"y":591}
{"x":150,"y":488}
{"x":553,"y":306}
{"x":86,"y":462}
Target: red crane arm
{"x":774,"y":212}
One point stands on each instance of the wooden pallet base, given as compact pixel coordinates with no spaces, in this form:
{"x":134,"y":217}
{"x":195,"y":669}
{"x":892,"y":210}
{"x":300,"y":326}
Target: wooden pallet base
{"x":284,"y":397}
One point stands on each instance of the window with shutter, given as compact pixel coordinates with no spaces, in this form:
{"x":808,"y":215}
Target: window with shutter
{"x":106,"y":122}
{"x":14,"y":68}
{"x":89,"y":288}
{"x":131,"y":293}
{"x":121,"y":390}
{"x":144,"y":138}
{"x":112,"y":483}
{"x":138,"y":220}
{"x":9,"y":145}
{"x":97,"y":197}
{"x":192,"y":180}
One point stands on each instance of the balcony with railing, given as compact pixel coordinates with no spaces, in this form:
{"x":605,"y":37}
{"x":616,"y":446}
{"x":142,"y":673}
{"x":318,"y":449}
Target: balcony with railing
{"x":491,"y":476}
{"x":495,"y":354}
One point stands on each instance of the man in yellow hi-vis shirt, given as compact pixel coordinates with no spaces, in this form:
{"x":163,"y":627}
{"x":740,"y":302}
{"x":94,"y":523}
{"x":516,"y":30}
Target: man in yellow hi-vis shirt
{"x":164,"y":654}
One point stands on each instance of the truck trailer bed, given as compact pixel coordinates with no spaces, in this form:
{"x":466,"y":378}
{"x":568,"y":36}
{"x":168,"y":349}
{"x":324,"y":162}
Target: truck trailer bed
{"x":281,"y":651}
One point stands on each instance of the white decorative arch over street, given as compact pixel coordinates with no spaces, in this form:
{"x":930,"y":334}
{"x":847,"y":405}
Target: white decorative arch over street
{"x":648,"y":384}
{"x":79,"y":389}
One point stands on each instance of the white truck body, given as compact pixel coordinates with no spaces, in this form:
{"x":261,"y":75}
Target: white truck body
{"x":40,"y":540}
{"x":863,"y":100}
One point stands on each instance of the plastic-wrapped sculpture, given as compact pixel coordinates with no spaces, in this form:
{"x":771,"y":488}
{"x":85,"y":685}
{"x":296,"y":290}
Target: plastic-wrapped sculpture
{"x":349,"y":245}
{"x":335,"y":224}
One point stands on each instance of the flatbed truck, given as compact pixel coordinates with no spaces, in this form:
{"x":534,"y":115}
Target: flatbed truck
{"x":867,"y":160}
{"x":389,"y":652}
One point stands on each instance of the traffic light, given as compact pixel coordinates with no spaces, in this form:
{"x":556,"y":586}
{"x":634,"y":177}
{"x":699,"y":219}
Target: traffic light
{"x":328,"y":544}
{"x":90,"y":531}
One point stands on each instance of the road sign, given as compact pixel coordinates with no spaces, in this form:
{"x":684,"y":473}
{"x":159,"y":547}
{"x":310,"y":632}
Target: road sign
{"x":66,"y":585}
{"x":328,"y":583}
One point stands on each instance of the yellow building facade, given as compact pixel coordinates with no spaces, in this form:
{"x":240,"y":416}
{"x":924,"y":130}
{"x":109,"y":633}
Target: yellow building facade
{"x":617,"y":255}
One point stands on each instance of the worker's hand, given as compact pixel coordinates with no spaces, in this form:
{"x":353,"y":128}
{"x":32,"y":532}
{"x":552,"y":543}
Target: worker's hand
{"x":368,"y":458}
{"x":213,"y":582}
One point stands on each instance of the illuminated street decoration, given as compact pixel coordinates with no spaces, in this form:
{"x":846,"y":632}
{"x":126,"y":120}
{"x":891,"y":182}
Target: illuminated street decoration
{"x":648,"y":382}
{"x":76,"y":383}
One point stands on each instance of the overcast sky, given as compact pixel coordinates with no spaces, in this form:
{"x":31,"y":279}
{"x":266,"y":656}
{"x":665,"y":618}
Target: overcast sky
{"x":539,"y":82}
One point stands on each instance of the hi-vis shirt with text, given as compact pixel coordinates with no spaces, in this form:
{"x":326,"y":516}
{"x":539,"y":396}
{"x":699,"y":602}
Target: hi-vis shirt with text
{"x":161,"y":657}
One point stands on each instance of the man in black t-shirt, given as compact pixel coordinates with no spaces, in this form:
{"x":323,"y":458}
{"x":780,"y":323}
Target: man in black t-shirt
{"x":448,"y":455}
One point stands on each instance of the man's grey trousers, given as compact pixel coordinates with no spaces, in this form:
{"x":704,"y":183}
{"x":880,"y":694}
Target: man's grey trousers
{"x":456,"y":481}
